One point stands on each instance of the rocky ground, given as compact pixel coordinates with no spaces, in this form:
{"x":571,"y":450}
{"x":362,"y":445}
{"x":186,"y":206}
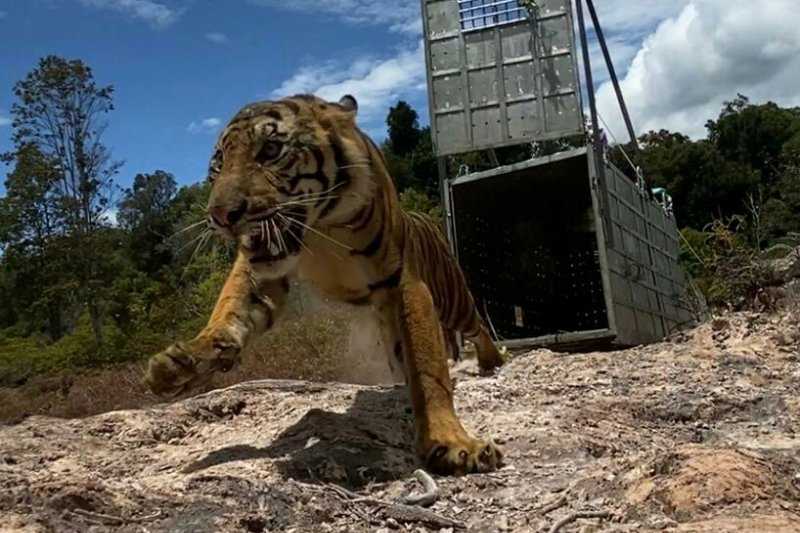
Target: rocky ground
{"x":701,"y":433}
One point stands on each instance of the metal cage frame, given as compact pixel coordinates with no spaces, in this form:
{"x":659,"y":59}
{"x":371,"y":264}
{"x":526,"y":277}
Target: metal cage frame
{"x":469,"y":71}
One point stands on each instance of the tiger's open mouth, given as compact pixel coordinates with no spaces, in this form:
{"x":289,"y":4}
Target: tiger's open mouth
{"x":271,"y":238}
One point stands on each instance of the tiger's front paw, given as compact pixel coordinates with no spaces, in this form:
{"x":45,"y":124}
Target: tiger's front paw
{"x":460,"y":454}
{"x":187,"y":365}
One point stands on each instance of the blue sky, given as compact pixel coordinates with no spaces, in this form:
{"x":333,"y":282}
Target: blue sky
{"x":177,"y":78}
{"x":181,"y":68}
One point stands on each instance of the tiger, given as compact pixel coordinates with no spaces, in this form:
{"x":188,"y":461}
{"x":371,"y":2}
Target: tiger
{"x":305,"y":194}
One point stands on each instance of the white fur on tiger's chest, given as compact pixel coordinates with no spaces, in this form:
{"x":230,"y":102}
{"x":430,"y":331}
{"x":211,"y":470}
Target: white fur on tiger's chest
{"x":334,"y":272}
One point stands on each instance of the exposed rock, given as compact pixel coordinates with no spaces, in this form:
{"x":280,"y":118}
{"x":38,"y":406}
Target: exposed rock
{"x":788,"y":267}
{"x":701,"y":433}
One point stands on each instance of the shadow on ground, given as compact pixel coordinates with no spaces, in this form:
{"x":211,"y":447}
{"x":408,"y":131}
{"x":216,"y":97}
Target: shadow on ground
{"x":371,"y":441}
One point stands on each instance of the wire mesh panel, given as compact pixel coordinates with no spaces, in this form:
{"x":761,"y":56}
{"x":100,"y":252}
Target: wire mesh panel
{"x":499,"y":75}
{"x":527,"y":243}
{"x":478,"y":14}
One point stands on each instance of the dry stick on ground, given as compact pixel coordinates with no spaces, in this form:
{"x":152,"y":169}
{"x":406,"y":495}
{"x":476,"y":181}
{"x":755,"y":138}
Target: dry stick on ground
{"x":552,"y":506}
{"x":407,"y":514}
{"x":577,"y":516}
{"x":107,"y":519}
{"x":427,"y":498}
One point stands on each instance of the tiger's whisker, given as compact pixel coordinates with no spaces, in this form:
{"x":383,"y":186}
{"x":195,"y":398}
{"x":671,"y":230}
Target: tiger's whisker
{"x":294,"y":235}
{"x":316,"y":195}
{"x":200,"y":245}
{"x":308,"y":201}
{"x":325,"y":193}
{"x":194,"y":240}
{"x":274,"y":230}
{"x":317,"y":232}
{"x":317,"y":199}
{"x":188,"y":228}
{"x":333,"y":252}
{"x":337,"y":186}
{"x":283,"y":240}
{"x":279,"y":237}
{"x":313,"y":198}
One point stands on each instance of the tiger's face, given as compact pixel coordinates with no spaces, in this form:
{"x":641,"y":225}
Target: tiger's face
{"x":275,"y":174}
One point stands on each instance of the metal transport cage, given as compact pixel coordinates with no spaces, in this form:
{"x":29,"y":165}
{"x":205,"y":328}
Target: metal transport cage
{"x":563,"y":250}
{"x":531,"y":239}
{"x":492,"y":81}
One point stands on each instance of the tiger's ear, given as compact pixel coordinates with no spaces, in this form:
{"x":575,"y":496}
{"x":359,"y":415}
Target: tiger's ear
{"x":349,"y":103}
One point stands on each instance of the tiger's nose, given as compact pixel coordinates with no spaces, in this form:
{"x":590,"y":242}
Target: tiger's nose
{"x":226,"y":216}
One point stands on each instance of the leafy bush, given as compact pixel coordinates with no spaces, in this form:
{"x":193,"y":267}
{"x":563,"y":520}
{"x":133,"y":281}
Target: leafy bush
{"x":728,"y":269}
{"x":419,"y":202}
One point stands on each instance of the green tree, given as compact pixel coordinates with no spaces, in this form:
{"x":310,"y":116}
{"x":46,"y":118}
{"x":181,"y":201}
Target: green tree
{"x":60,"y":110}
{"x":404,"y":132}
{"x":702,"y":182}
{"x":31,"y":236}
{"x":424,"y":167}
{"x":782,"y":209}
{"x":144,"y":215}
{"x":754,"y":135}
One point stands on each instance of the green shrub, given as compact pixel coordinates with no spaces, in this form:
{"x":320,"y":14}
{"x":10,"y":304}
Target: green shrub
{"x":727,"y":268}
{"x":419,"y":202}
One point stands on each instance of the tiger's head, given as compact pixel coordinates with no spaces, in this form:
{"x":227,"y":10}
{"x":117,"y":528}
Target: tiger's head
{"x":280,"y":168}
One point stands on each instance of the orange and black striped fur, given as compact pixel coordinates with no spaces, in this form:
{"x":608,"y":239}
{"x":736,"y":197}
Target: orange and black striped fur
{"x":305,"y":193}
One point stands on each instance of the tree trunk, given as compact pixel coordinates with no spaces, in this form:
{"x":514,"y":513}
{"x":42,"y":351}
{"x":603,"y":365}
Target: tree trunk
{"x":55,"y":324}
{"x":97,"y":321}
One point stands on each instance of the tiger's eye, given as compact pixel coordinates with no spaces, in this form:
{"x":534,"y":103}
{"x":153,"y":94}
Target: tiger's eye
{"x":269,"y":151}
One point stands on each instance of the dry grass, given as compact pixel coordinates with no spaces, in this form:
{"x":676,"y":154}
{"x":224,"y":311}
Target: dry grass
{"x":312,"y":345}
{"x":76,"y":395}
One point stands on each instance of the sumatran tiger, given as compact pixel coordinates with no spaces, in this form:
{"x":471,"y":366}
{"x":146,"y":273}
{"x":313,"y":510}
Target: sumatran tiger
{"x":303,"y":192}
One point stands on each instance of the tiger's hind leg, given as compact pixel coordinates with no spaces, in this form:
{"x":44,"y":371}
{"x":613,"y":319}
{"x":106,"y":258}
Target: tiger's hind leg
{"x":489,"y":357}
{"x":442,"y":442}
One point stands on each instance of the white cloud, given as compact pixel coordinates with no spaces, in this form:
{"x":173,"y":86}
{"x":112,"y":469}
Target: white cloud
{"x":625,"y":25}
{"x":399,"y":15}
{"x":635,"y":17}
{"x":207,"y":125}
{"x":376,"y":83}
{"x":405,"y":15}
{"x":111,"y":217}
{"x":216,"y":37}
{"x":4,"y":120}
{"x":705,"y":55}
{"x":154,"y":13}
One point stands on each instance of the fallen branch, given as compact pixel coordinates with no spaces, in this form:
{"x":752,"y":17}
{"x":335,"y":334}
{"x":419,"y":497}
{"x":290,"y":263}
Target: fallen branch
{"x":552,"y":506}
{"x":427,"y":498}
{"x":578,"y":516}
{"x":407,"y":514}
{"x":99,"y":518}
{"x":107,"y":519}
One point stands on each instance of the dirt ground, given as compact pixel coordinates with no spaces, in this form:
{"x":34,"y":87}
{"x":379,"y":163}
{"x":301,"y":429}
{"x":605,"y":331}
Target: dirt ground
{"x":700,"y":433}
